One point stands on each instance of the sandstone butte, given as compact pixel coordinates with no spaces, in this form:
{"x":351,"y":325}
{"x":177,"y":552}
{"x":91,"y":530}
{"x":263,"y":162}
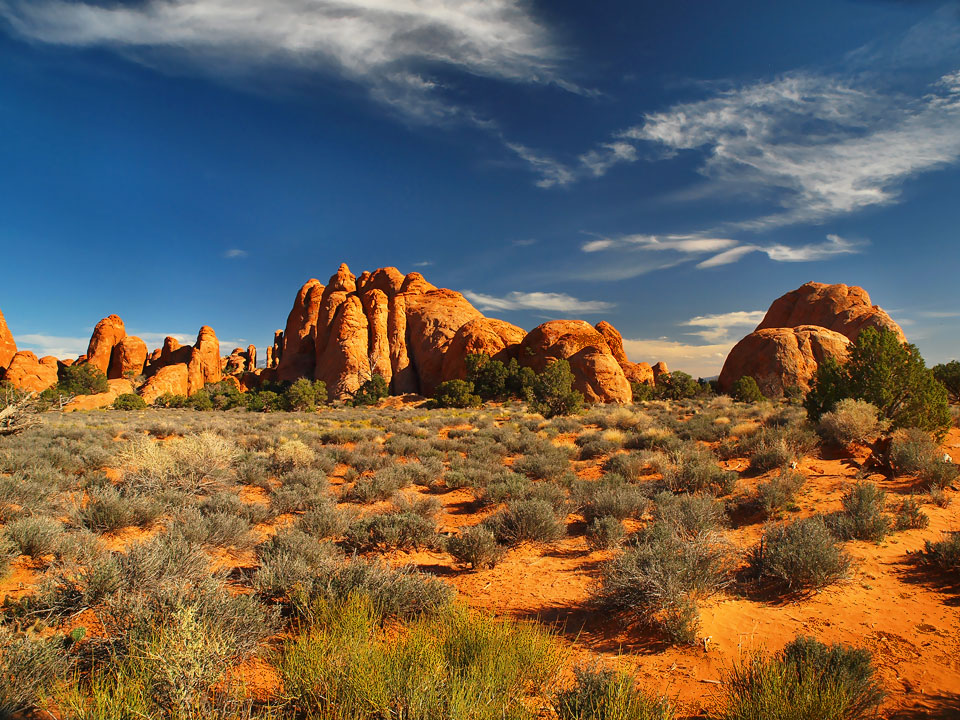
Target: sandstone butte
{"x":417,"y":335}
{"x":799,"y":331}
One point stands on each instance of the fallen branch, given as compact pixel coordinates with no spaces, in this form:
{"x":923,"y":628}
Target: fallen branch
{"x":19,"y":416}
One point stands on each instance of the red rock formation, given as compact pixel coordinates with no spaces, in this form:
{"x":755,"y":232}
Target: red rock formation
{"x":28,"y":373}
{"x":387,"y":280}
{"x":298,"y":354}
{"x":404,"y":376}
{"x":8,"y":347}
{"x":841,"y":308}
{"x":275,"y":353}
{"x":172,"y":379}
{"x":660,"y":369}
{"x":433,"y":318}
{"x":129,"y":356}
{"x":778,"y":358}
{"x":106,"y":335}
{"x":101,"y":400}
{"x":597,"y":374}
{"x":239,"y":361}
{"x":251,"y":358}
{"x":496,"y":338}
{"x":377,"y":310}
{"x":173,"y":353}
{"x":635,"y":372}
{"x":344,"y":364}
{"x":204,"y":365}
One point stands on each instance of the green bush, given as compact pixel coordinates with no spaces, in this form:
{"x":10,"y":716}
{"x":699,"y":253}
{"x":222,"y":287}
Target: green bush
{"x":778,"y":493}
{"x":304,"y":395}
{"x":642,"y":392}
{"x":456,"y":394}
{"x":891,"y":376}
{"x":913,"y":451}
{"x":943,"y":555}
{"x":266,"y":401}
{"x":81,"y":379}
{"x":676,"y":385}
{"x":475,"y":546}
{"x":389,"y":531}
{"x":910,"y":516}
{"x":29,"y":669}
{"x":457,"y":664}
{"x":851,"y":421}
{"x":798,"y":557}
{"x":601,"y":694}
{"x":169,"y":400}
{"x":948,"y":375}
{"x":661,"y":579}
{"x":807,"y":680}
{"x":200,"y":400}
{"x":526,"y":520}
{"x":129,"y":401}
{"x":553,"y":391}
{"x":489,"y":377}
{"x":862,"y":516}
{"x":746,"y":390}
{"x":605,"y":532}
{"x":371,"y":392}
{"x":225,"y":395}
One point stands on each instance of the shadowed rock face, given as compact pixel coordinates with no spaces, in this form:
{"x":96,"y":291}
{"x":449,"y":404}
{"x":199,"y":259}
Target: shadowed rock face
{"x":171,"y":379}
{"x":129,"y":356}
{"x":108,"y":333}
{"x":417,"y":335}
{"x":799,"y":331}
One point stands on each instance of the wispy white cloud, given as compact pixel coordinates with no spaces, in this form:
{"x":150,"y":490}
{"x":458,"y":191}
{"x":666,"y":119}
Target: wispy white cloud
{"x":714,"y":328}
{"x":235,"y":254}
{"x":548,"y":302}
{"x":697,"y":360}
{"x":938,"y":314}
{"x":550,"y":171}
{"x":423,"y":263}
{"x":835,"y":245}
{"x":388,"y":46}
{"x":57,"y":345}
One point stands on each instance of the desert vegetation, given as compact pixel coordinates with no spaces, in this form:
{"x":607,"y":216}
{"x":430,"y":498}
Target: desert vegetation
{"x":479,"y":560}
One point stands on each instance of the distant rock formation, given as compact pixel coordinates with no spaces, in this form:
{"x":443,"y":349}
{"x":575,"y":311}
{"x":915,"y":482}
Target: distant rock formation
{"x":799,"y":331}
{"x":417,"y":335}
{"x":113,"y":352}
{"x":27,"y":372}
{"x":172,"y":380}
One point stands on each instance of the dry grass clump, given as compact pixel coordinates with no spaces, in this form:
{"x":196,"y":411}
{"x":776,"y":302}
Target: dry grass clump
{"x":779,"y":493}
{"x":914,"y":452}
{"x":192,"y":463}
{"x":851,"y":421}
{"x":798,"y":557}
{"x":862,"y":517}
{"x":476,"y":547}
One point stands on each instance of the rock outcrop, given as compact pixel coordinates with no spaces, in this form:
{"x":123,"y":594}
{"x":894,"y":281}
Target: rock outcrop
{"x":295,"y":349}
{"x":597,"y":374}
{"x":8,"y":347}
{"x":781,"y":358}
{"x":27,"y":372}
{"x":204,"y":365}
{"x":172,"y":379}
{"x":129,"y":357}
{"x":635,"y":372}
{"x":841,"y":308}
{"x":107,"y":334}
{"x":496,"y":338}
{"x":239,"y":361}
{"x":100,"y":400}
{"x":799,"y":331}
{"x":344,"y":364}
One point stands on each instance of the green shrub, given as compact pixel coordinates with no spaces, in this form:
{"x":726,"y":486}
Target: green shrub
{"x":521,"y":381}
{"x":676,"y":385}
{"x":798,"y":557}
{"x":388,"y":531}
{"x":910,"y":516}
{"x":851,"y":421}
{"x":943,"y":555}
{"x":475,"y":546}
{"x":661,"y":579}
{"x":200,"y":400}
{"x":642,"y":392}
{"x":778,"y":493}
{"x":601,"y":694}
{"x":913,"y":451}
{"x":489,"y":377}
{"x":891,"y":376}
{"x":806,"y":680}
{"x":81,"y":379}
{"x":456,"y":394}
{"x":553,"y":392}
{"x":746,"y":390}
{"x":35,"y":536}
{"x":304,"y":395}
{"x":29,"y":669}
{"x":605,"y":532}
{"x":129,"y":401}
{"x":225,"y":395}
{"x":266,"y":401}
{"x":371,"y":392}
{"x":948,"y":375}
{"x":458,"y":664}
{"x":169,"y":400}
{"x":526,"y":520}
{"x":862,"y":516}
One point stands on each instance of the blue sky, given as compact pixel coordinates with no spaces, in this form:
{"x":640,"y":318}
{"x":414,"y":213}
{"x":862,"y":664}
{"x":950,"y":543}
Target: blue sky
{"x":669,"y":167}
